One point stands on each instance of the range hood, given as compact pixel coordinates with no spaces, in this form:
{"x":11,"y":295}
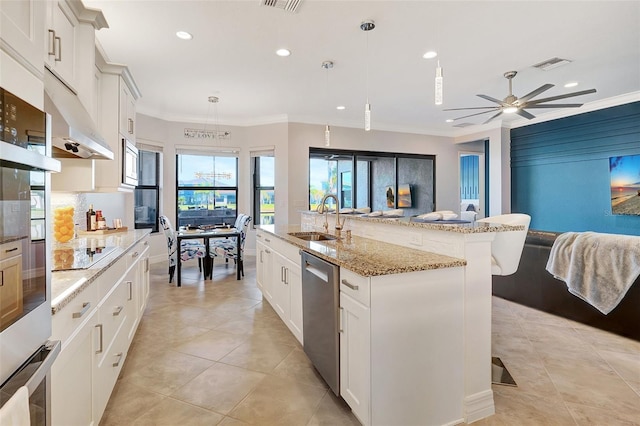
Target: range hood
{"x":73,"y":132}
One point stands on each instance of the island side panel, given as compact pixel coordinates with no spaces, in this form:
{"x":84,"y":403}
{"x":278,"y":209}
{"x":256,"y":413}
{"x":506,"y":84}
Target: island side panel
{"x":417,"y":347}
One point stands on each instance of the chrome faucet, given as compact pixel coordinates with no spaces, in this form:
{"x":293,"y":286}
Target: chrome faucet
{"x":322,"y":209}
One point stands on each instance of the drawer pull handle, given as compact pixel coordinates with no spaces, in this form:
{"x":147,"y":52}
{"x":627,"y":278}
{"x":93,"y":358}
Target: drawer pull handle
{"x":267,"y":251}
{"x":258,"y":236}
{"x":117,"y":363}
{"x":134,"y":255}
{"x":11,"y":249}
{"x":85,"y":308}
{"x":58,"y":57}
{"x":267,"y":240}
{"x":146,"y":243}
{"x":117,"y":310}
{"x":348,"y":284}
{"x":100,"y":327}
{"x":130,"y":290}
{"x":340,"y":316}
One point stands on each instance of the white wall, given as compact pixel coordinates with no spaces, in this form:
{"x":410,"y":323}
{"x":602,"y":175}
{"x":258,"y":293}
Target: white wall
{"x":291,"y":142}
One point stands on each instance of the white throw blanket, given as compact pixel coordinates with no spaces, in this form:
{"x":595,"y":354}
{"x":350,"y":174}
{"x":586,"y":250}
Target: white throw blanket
{"x":598,"y":268}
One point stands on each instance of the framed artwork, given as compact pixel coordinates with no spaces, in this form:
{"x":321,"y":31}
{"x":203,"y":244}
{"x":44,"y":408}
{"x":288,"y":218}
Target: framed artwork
{"x":625,"y":184}
{"x":391,"y":198}
{"x":404,"y":195}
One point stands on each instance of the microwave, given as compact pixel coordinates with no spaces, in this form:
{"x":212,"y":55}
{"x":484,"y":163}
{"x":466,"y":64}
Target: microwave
{"x":129,"y":163}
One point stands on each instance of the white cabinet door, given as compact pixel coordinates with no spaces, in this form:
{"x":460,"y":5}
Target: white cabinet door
{"x":280,"y":288}
{"x":293,"y":279}
{"x":72,"y":379}
{"x":127,"y":112}
{"x":355,"y":356}
{"x":11,"y":305}
{"x":61,"y":41}
{"x":260,"y":253}
{"x":22,"y":29}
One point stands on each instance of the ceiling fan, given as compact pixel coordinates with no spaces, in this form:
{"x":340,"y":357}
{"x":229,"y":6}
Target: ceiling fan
{"x":512,"y":104}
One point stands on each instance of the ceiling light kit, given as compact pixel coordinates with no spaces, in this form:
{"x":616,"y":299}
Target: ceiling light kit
{"x":327,"y":65}
{"x":438,"y":88}
{"x":283,"y":52}
{"x":512,"y":104}
{"x":367,"y":26}
{"x":430,"y":54}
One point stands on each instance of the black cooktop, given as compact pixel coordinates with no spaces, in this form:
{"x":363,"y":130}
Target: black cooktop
{"x":67,"y":258}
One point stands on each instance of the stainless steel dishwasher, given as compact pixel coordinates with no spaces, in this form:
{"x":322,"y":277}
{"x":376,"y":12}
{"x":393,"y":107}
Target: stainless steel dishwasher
{"x":320,"y":303}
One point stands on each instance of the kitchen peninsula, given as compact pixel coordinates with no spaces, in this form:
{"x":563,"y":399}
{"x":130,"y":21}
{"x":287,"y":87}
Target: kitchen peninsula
{"x":414,"y":317}
{"x":96,"y":312}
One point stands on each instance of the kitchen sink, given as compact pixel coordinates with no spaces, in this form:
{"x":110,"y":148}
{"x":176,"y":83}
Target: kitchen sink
{"x":313,"y":236}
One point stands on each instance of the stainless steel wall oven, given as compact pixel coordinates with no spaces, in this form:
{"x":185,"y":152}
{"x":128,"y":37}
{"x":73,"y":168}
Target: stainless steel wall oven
{"x":25,"y":251}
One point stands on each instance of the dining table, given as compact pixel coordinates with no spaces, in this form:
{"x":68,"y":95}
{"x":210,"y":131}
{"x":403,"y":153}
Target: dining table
{"x":206,"y":235}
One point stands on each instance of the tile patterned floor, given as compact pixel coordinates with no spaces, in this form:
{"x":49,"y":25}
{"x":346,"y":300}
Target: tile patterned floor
{"x":212,"y":353}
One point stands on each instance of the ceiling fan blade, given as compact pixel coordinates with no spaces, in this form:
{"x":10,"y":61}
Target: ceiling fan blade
{"x":525,"y":114}
{"x":489,"y":98}
{"x":554,"y":106}
{"x":459,"y":109}
{"x":499,"y":112}
{"x":535,"y":93}
{"x":477,"y":113}
{"x":567,"y":95}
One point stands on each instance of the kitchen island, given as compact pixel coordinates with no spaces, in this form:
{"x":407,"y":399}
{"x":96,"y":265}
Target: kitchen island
{"x":96,"y":312}
{"x":423,"y":305}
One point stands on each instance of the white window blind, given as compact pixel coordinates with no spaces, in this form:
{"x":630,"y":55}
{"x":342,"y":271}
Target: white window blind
{"x":149,"y":146}
{"x":263,"y":151}
{"x":206,"y":150}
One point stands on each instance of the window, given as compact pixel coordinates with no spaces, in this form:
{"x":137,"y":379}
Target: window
{"x":379,"y":180}
{"x":147,"y":193}
{"x":207,"y":189}
{"x":263,"y":164}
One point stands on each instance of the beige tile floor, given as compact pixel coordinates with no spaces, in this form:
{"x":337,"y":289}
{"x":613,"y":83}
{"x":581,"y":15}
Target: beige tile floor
{"x":213,"y":353}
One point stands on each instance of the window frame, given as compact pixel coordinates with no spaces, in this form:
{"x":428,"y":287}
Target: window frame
{"x":155,"y":226}
{"x":257,"y":188}
{"x":206,"y":188}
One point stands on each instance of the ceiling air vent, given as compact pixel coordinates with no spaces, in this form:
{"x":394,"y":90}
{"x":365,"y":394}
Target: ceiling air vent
{"x":287,"y":5}
{"x":463,"y":125}
{"x":552,"y":63}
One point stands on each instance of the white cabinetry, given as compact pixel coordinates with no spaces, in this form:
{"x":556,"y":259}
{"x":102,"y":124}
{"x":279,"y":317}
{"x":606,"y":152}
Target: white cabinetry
{"x":96,"y":329}
{"x":355,"y":343}
{"x":22,"y":27}
{"x":280,"y":277}
{"x":11,"y":304}
{"x":118,"y":96}
{"x":401,"y":346}
{"x":69,"y":45}
{"x":61,"y":41}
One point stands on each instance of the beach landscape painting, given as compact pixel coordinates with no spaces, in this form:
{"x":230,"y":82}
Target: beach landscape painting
{"x":625,"y":184}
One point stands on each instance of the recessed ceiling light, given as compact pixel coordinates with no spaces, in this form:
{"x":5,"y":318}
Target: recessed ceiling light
{"x":449,"y":120}
{"x":341,"y":107}
{"x":283,"y":52}
{"x":430,"y":54}
{"x":571,"y":84}
{"x":184,"y":35}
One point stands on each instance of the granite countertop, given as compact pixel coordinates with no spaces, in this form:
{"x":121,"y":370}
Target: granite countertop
{"x":365,"y":256}
{"x":463,"y":228}
{"x":66,"y":285}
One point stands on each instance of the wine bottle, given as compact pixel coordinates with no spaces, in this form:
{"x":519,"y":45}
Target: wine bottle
{"x":90,"y":214}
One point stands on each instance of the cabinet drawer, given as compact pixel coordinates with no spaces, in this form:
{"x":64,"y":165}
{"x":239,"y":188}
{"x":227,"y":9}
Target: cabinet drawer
{"x":11,"y":249}
{"x":136,"y":252}
{"x":114,"y":311}
{"x":111,"y":276}
{"x":356,"y":286}
{"x":68,"y":319}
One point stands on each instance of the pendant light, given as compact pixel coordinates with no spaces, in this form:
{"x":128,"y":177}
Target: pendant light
{"x":367,"y":26}
{"x":327,"y":65}
{"x":438,"y":88}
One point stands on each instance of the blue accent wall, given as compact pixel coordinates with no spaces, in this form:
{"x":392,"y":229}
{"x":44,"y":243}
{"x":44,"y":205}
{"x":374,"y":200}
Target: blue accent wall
{"x":560,"y":170}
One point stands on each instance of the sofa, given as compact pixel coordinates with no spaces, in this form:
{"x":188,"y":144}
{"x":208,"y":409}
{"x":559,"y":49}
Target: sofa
{"x":533,"y":286}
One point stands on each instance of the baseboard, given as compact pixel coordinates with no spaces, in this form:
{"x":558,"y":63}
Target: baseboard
{"x":479,"y":406}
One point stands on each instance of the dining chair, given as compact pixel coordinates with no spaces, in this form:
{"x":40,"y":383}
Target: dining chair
{"x":227,"y":248}
{"x":189,"y":249}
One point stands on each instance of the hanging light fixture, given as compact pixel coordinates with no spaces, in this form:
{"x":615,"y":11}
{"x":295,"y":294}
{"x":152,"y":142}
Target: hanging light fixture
{"x":367,"y":26}
{"x":327,"y":65}
{"x":438,"y":89}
